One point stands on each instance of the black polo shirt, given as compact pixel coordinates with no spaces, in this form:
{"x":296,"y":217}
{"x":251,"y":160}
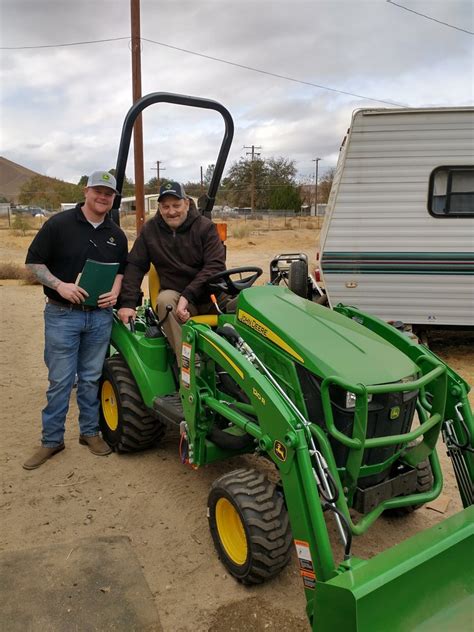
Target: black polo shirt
{"x":67,"y":239}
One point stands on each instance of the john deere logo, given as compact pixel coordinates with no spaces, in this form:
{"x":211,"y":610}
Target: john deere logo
{"x":105,"y":176}
{"x":395,"y":412}
{"x":280,"y":450}
{"x":169,"y":186}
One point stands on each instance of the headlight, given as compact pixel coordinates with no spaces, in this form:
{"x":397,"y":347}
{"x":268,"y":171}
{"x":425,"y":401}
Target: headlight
{"x":351,"y":399}
{"x":408,"y":378}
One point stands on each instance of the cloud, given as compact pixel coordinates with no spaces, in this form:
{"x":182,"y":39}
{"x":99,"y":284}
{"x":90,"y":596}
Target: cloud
{"x":62,"y":108}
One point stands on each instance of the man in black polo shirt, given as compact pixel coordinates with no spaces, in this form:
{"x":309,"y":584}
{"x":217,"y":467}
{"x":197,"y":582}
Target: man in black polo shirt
{"x":76,"y":336}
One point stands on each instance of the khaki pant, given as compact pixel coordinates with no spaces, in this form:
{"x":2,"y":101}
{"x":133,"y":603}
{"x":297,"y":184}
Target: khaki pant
{"x":172,"y":326}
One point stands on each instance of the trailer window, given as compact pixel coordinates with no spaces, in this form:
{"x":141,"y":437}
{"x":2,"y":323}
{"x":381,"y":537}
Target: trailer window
{"x":451,"y":192}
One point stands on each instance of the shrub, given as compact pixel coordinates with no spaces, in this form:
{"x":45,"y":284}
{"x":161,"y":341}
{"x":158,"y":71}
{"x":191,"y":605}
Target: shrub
{"x":241,"y":230}
{"x":22,"y":223}
{"x":17,"y":272}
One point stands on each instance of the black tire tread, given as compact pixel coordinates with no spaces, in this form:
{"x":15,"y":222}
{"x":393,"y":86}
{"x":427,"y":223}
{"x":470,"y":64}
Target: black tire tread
{"x":424,"y":482}
{"x":139,"y":429}
{"x":266,"y":521}
{"x":298,"y":278}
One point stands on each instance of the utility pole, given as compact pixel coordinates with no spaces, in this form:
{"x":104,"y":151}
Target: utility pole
{"x":316,"y":160}
{"x":202,"y":180}
{"x":158,"y":169}
{"x":252,"y":153}
{"x":138,"y":126}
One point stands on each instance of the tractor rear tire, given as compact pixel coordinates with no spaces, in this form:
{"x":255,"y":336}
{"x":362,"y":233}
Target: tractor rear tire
{"x":298,"y":278}
{"x":125,"y":423}
{"x":424,"y":482}
{"x":249,"y":525}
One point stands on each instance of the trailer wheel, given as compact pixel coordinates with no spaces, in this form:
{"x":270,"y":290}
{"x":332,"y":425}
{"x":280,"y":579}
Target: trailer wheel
{"x":249,"y":525}
{"x":424,"y":482}
{"x":125,"y":423}
{"x":298,"y":278}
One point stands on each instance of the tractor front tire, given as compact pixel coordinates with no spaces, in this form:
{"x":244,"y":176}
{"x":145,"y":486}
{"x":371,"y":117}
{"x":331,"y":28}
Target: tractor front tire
{"x":125,"y":423}
{"x":249,"y":525}
{"x":424,"y":482}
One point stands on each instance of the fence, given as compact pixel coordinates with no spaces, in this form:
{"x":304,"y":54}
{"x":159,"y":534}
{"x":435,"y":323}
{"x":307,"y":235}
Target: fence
{"x":271,"y":220}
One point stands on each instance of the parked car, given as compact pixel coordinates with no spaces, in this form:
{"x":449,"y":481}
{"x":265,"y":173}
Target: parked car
{"x":37,"y":212}
{"x":34,"y":211}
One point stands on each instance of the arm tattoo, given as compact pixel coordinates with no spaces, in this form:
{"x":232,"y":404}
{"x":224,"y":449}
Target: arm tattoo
{"x":43,"y":275}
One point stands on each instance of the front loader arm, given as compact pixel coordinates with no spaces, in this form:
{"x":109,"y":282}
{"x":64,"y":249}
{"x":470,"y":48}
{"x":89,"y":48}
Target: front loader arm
{"x":278,"y":433}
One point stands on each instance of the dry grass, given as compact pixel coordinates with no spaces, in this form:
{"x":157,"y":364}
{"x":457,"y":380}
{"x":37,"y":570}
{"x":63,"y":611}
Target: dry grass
{"x":240,"y":230}
{"x":129,"y":225}
{"x":128,"y":222}
{"x":22,"y":223}
{"x":17,"y":272}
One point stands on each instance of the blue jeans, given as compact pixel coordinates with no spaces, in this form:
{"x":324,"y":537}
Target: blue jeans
{"x":76,"y":342}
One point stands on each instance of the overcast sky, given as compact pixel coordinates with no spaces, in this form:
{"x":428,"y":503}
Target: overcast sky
{"x":62,"y":108}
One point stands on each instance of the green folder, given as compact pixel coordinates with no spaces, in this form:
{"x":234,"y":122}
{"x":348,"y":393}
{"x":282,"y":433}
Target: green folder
{"x":97,"y":278}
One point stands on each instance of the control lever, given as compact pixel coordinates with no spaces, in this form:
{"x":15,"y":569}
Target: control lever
{"x":150,"y":317}
{"x":153,"y":330}
{"x":169,"y":309}
{"x":216,"y":304}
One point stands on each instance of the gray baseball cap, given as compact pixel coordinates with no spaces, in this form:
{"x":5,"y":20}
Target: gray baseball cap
{"x":102,"y":179}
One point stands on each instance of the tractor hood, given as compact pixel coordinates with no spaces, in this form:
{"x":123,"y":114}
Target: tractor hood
{"x":325,"y":342}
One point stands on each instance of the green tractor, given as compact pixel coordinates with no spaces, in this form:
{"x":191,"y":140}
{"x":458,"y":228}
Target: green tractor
{"x":349,"y":411}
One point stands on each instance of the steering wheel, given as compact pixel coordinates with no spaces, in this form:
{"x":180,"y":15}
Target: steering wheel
{"x":222,"y":282}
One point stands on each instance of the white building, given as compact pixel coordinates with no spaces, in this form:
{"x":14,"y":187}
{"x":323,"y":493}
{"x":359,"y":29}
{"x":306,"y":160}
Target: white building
{"x":127,"y":204}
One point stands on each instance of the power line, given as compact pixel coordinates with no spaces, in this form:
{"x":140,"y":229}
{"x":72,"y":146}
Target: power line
{"x":428,"y":17}
{"x":218,"y":59}
{"x":272,"y":74}
{"x":111,"y":39}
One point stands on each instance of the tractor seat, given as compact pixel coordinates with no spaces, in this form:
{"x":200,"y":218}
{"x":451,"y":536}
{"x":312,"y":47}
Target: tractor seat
{"x":153,"y":291}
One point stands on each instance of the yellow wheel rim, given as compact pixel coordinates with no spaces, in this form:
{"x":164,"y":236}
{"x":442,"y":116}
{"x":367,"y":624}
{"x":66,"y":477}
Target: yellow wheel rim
{"x":109,"y":405}
{"x":231,"y":531}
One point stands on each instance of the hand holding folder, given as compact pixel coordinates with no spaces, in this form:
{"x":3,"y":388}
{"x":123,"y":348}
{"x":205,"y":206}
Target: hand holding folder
{"x":97,"y":278}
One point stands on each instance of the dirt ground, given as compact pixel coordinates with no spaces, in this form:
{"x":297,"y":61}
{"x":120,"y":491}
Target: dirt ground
{"x":159,"y":503}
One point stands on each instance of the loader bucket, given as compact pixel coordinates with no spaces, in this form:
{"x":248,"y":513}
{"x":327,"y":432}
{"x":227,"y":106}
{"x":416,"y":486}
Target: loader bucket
{"x":425,"y":583}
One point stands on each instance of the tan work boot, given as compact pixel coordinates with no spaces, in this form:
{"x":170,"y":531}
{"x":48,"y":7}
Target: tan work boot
{"x":95,"y":444}
{"x":41,"y":456}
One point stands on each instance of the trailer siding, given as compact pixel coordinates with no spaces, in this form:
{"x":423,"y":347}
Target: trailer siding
{"x":381,"y":250}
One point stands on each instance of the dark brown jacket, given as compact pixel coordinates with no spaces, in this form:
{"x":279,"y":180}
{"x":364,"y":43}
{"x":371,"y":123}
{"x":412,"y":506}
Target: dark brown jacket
{"x":184,"y":258}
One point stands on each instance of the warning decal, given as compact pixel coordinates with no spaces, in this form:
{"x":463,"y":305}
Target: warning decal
{"x":185,"y":377}
{"x":304,"y":556}
{"x":309,"y":580}
{"x":185,"y":364}
{"x":185,"y":354}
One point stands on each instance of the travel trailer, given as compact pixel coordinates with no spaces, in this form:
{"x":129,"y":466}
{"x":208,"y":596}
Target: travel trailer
{"x":398,"y":239}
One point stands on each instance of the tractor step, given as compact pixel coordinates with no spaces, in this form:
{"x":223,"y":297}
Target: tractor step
{"x":169,"y":408}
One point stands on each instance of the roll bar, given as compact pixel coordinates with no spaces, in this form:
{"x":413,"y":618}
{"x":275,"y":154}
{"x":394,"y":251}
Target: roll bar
{"x":178,"y":99}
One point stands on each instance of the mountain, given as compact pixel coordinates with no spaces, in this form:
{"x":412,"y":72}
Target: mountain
{"x":12,"y":178}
